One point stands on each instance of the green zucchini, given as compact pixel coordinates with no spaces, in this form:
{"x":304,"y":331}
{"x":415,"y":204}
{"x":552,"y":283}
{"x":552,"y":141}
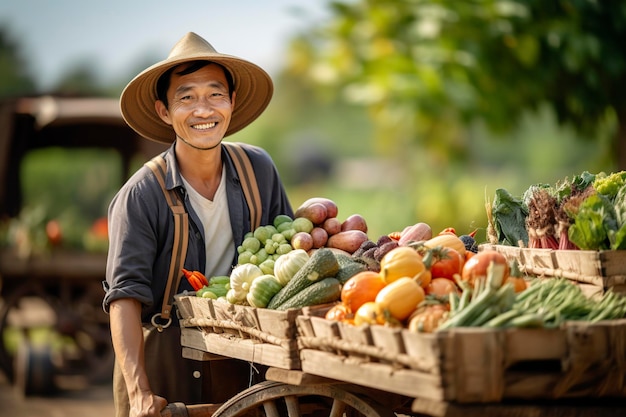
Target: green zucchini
{"x":322,"y":264}
{"x":349,"y":269}
{"x":320,"y":292}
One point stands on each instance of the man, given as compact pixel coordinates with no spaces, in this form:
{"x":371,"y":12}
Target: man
{"x":192,"y":99}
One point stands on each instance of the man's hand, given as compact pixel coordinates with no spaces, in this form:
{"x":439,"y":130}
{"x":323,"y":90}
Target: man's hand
{"x":146,"y":405}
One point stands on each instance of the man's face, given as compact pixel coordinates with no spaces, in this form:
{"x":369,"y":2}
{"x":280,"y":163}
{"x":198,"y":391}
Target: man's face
{"x":200,"y":106}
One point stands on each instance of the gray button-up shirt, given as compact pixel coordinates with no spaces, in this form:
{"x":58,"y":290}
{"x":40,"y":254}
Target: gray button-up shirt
{"x":141,"y":227}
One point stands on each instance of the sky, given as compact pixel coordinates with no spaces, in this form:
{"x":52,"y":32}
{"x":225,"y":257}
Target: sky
{"x":119,"y":35}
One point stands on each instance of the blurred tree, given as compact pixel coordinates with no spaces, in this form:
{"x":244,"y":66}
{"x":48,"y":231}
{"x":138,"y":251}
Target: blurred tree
{"x":424,"y":67}
{"x":80,"y":79}
{"x":14,"y":75}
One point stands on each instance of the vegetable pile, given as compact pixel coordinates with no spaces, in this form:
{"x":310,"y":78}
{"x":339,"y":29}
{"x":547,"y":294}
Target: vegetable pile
{"x":585,"y":212}
{"x":412,"y":278}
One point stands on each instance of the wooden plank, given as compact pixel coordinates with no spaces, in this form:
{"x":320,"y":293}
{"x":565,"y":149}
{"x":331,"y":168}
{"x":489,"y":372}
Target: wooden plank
{"x":198,"y":355}
{"x":244,"y":349}
{"x":294,"y":377}
{"x":589,"y":408}
{"x":374,"y":375}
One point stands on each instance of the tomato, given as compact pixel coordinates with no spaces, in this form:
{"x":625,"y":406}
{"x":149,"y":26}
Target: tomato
{"x":441,"y":287}
{"x":448,"y":261}
{"x":476,"y":266}
{"x":53,"y":232}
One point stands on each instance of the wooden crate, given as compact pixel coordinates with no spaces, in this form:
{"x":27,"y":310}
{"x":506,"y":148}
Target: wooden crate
{"x":258,"y":335}
{"x":471,"y":365}
{"x":594,"y":271}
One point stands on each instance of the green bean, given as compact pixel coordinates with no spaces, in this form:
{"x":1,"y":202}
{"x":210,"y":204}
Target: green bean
{"x":502,"y":319}
{"x":453,"y":299}
{"x":471,"y":311}
{"x":466,"y":295}
{"x":528,"y":320}
{"x":482,"y":318}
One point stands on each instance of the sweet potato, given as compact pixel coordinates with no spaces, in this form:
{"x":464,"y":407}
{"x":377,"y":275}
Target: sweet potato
{"x":349,"y":240}
{"x":331,"y":207}
{"x":354,"y":222}
{"x":417,"y":232}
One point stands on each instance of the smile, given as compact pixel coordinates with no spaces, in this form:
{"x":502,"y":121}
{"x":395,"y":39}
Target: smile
{"x":204,"y":126}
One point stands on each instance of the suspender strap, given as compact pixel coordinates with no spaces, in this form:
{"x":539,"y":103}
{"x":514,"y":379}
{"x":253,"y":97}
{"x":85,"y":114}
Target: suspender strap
{"x":181,"y":238}
{"x":181,"y":220}
{"x":248,"y":181}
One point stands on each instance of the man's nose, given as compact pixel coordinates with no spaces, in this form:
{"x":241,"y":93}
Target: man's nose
{"x":203,"y":106}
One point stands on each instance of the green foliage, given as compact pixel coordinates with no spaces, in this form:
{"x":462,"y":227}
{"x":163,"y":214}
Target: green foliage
{"x":424,"y":68}
{"x":14,"y":76}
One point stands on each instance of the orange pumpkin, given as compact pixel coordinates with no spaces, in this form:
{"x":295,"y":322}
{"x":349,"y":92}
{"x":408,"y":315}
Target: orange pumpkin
{"x":361,"y":288}
{"x":400,"y":262}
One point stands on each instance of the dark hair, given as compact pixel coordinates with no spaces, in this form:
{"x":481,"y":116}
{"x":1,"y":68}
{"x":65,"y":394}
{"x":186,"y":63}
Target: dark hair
{"x":163,"y":83}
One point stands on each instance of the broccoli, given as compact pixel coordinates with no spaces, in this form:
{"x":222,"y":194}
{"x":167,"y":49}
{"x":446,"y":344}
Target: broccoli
{"x":609,"y":185}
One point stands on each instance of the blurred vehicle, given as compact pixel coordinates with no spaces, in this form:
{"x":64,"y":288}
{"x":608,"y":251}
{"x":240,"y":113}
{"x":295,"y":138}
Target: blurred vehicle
{"x":61,"y":160}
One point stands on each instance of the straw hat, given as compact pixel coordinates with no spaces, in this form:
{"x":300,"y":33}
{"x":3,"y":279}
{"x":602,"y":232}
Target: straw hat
{"x":253,"y":86}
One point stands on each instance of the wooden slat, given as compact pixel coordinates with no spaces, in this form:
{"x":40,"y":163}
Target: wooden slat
{"x":374,"y":375}
{"x":244,"y":349}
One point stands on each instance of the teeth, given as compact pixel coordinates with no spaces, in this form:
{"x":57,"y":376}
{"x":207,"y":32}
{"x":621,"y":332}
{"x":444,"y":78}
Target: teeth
{"x":204,"y":126}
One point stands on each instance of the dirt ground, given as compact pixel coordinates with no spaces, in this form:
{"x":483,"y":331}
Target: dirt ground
{"x":93,"y":401}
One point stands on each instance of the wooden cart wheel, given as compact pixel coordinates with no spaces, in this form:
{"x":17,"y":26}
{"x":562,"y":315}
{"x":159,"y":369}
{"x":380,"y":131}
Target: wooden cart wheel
{"x":59,"y":321}
{"x":274,"y":399}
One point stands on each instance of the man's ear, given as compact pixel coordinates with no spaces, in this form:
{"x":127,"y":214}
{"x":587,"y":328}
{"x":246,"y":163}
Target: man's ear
{"x":162,"y":111}
{"x":232,"y":101}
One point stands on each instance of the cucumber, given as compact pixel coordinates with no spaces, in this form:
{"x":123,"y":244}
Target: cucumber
{"x":348,"y":269}
{"x":322,"y":264}
{"x":321,"y":292}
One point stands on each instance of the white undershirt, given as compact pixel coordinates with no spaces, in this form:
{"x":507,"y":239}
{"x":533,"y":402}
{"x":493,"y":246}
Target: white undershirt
{"x":218,"y":233}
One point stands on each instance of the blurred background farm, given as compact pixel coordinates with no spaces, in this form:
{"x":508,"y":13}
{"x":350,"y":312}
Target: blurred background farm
{"x":402,"y":111}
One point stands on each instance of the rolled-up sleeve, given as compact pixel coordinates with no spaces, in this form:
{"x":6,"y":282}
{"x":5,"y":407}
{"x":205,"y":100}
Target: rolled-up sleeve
{"x":133,"y":242}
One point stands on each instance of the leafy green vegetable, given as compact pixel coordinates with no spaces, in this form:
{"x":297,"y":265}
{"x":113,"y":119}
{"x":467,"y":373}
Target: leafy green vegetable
{"x":595,"y":218}
{"x":618,"y":237}
{"x":509,"y":214}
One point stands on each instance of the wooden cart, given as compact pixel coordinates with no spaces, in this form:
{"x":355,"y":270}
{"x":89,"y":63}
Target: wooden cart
{"x":59,"y":292}
{"x":320,"y":367}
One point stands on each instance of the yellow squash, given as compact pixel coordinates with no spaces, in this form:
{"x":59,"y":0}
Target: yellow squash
{"x":400,"y":298}
{"x":401,"y":262}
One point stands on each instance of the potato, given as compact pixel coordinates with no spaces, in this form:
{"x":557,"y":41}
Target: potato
{"x":315,"y":212}
{"x":354,"y":222}
{"x":320,"y":237}
{"x":349,"y":240}
{"x":302,"y":240}
{"x":332,"y":225}
{"x":331,"y":207}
